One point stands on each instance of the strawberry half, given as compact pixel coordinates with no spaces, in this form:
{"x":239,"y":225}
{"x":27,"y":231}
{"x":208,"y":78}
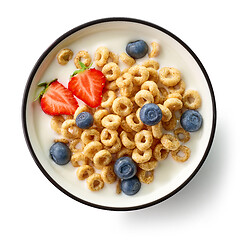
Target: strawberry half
{"x":57,"y":99}
{"x":87,"y":85}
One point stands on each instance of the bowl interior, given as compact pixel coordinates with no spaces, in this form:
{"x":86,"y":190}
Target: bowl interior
{"x":170,"y":175}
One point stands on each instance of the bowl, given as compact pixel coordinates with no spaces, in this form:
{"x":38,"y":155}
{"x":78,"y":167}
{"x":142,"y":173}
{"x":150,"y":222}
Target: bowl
{"x":115,"y":33}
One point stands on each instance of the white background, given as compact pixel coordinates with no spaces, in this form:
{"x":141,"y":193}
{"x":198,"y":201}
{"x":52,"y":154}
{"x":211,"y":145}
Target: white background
{"x":209,"y":207}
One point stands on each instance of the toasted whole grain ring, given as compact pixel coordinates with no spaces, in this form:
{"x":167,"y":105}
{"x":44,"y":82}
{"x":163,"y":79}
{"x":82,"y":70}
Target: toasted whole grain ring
{"x":101,"y":56}
{"x":70,"y":124}
{"x":127,"y":59}
{"x":163,"y":94}
{"x":185,"y":150}
{"x":103,"y":158}
{"x":160,"y":153}
{"x":116,"y":147}
{"x":111,"y":121}
{"x":114,"y":57}
{"x":109,"y":137}
{"x":73,"y":145}
{"x":134,"y":122}
{"x":127,"y":91}
{"x":64,"y":56}
{"x":155,"y":50}
{"x":153,"y":89}
{"x":191,"y":99}
{"x":166,"y":113}
{"x":141,"y":156}
{"x":143,"y":140}
{"x":169,"y":76}
{"x":89,"y":135}
{"x":182,"y":135}
{"x":143,"y":97}
{"x":178,"y":88}
{"x":107,"y":99}
{"x":145,"y":176}
{"x":92,"y":148}
{"x":99,"y":115}
{"x":173,"y":104}
{"x":82,"y":55}
{"x":124,"y":80}
{"x":127,"y":140}
{"x":157,"y":130}
{"x":84,"y":172}
{"x":111,"y":86}
{"x":122,"y":106}
{"x":153,"y":75}
{"x":170,"y":142}
{"x":56,"y":123}
{"x":124,"y":152}
{"x":95,"y":182}
{"x":151,"y":64}
{"x":175,"y":95}
{"x":77,"y":157}
{"x":125,"y":126}
{"x":108,"y":174}
{"x":111,"y":71}
{"x":171,"y":124}
{"x":148,"y":166}
{"x":140,"y":74}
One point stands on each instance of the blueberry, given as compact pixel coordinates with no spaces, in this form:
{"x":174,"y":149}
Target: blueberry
{"x":137,"y":49}
{"x":150,"y":114}
{"x":60,"y":153}
{"x":84,"y":120}
{"x":130,"y":186}
{"x":191,"y":120}
{"x":125,"y":168}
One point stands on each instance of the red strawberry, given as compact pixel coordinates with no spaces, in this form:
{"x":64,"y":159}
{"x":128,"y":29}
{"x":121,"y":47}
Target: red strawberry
{"x":56,"y":99}
{"x":87,"y":84}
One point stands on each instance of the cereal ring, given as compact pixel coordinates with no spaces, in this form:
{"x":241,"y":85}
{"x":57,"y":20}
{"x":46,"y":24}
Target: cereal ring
{"x":102,"y":158}
{"x":92,"y":148}
{"x":182,"y":157}
{"x":173,"y":104}
{"x":127,"y":59}
{"x":124,"y":152}
{"x":140,"y":74}
{"x":143,"y":97}
{"x":78,"y":157}
{"x":86,"y":56}
{"x":64,"y":56}
{"x":160,"y":153}
{"x":151,"y":64}
{"x":175,"y":95}
{"x":143,"y":140}
{"x":56,"y":123}
{"x":113,"y":57}
{"x":80,"y":109}
{"x":70,"y":130}
{"x":75,"y":145}
{"x":111,"y":71}
{"x":125,"y":80}
{"x":127,"y":91}
{"x":178,"y":88}
{"x":153,"y":75}
{"x":111,"y":121}
{"x":107,"y":99}
{"x":169,"y":76}
{"x":89,"y":135}
{"x":109,"y":137}
{"x":63,"y":140}
{"x":171,"y":124}
{"x":134,"y":123}
{"x":191,"y":99}
{"x":95,"y":182}
{"x":163,"y":94}
{"x":122,"y":106}
{"x":141,"y":156}
{"x":182,"y":135}
{"x":84,"y":172}
{"x":125,"y":126}
{"x":116,"y":147}
{"x":153,"y":89}
{"x":170,"y":142}
{"x":111,"y":86}
{"x":148,"y":166}
{"x":127,"y":140}
{"x":99,"y":115}
{"x":108,"y":175}
{"x":155,"y":50}
{"x":157,"y":130}
{"x":166,"y":113}
{"x":101,"y":56}
{"x":145,"y":176}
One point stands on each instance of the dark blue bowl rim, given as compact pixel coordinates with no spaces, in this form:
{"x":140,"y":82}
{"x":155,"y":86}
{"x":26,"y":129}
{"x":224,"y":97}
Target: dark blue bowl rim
{"x":41,"y":59}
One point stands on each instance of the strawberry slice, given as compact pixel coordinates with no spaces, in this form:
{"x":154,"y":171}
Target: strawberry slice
{"x":87,"y":85}
{"x":57,"y":99}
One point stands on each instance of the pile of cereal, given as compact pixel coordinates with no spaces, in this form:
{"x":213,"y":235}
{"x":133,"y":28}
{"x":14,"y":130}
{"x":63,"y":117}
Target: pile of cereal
{"x":117,"y":129}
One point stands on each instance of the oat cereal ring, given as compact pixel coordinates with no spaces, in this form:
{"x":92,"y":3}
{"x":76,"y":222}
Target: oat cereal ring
{"x":111,"y":71}
{"x":111,"y":121}
{"x":153,"y":75}
{"x":64,"y":56}
{"x":84,"y":172}
{"x":160,"y":153}
{"x":56,"y":123}
{"x":151,"y":64}
{"x":70,"y":130}
{"x":89,"y":135}
{"x":116,"y":147}
{"x":178,"y":88}
{"x":191,"y":99}
{"x":114,"y":57}
{"x":118,"y":186}
{"x":80,"y":109}
{"x":134,"y":122}
{"x":111,"y":86}
{"x":63,"y":140}
{"x":95,"y":182}
{"x":125,"y":80}
{"x":92,"y":148}
{"x":145,"y":176}
{"x":140,"y":74}
{"x":102,"y":158}
{"x":107,"y":99}
{"x":108,"y":137}
{"x":79,"y":157}
{"x":166,"y":113}
{"x":127,"y":91}
{"x":169,"y":76}
{"x":157,"y":130}
{"x":148,"y":166}
{"x":173,"y":104}
{"x":125,"y":126}
{"x":124,"y":152}
{"x":127,"y":140}
{"x":171,"y":124}
{"x":75,"y":145}
{"x":141,"y":156}
{"x":108,"y":174}
{"x":127,"y":59}
{"x":151,"y":87}
{"x":99,"y":115}
{"x":143,"y":97}
{"x":175,"y":95}
{"x":170,"y":142}
{"x":182,"y":135}
{"x":86,"y":59}
{"x":155,"y":50}
{"x":163,"y":94}
{"x":143,"y":140}
{"x":185,"y":154}
{"x":101,"y":56}
{"x":122,"y":106}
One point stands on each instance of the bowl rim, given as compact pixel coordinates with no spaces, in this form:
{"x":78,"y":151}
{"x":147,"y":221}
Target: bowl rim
{"x":41,"y":59}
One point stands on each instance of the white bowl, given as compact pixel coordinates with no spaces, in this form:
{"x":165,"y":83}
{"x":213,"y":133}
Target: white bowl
{"x":115,"y":33}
